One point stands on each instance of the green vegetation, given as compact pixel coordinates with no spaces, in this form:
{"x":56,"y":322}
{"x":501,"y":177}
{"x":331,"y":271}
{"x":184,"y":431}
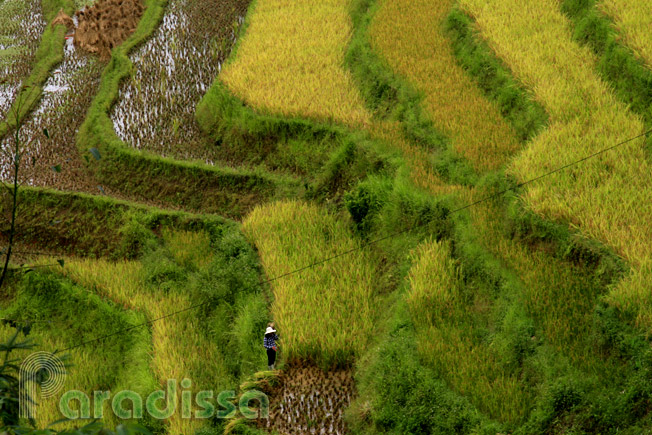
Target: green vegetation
{"x":191,"y":185}
{"x":630,"y":78}
{"x":210,"y":264}
{"x":54,"y":304}
{"x":525,"y":313}
{"x":533,"y":289}
{"x":291,"y":236}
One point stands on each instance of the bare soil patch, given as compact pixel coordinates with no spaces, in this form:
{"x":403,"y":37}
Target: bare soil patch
{"x":308,"y":400}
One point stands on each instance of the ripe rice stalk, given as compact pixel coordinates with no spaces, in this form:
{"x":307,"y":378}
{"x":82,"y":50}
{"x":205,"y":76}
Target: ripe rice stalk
{"x":325,"y":313}
{"x":409,"y":34}
{"x":633,"y":20}
{"x":608,"y":197}
{"x":291,"y":61}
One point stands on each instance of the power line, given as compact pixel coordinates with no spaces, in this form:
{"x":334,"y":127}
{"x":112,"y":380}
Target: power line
{"x":364,"y":245}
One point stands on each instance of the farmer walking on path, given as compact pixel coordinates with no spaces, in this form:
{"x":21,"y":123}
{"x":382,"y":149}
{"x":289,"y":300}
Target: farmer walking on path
{"x":270,"y":344}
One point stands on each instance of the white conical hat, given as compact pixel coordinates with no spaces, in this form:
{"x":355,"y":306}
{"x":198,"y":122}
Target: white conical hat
{"x":269,"y":330}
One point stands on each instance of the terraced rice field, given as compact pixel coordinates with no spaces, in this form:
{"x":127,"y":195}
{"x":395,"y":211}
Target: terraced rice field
{"x":559,"y":297}
{"x":55,"y":327}
{"x":21,"y":26}
{"x":409,"y":36}
{"x":291,"y":235}
{"x":171,"y":72}
{"x":48,"y":410}
{"x":174,"y":349}
{"x":633,"y":20}
{"x":501,"y":333}
{"x":67,"y":94}
{"x":608,"y":197}
{"x":437,"y":303}
{"x":299,"y":71}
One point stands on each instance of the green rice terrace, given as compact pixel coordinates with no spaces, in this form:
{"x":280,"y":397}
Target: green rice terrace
{"x":326,"y":217}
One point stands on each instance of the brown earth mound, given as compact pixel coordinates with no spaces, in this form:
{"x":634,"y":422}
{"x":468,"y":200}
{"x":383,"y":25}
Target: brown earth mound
{"x":309,"y":401}
{"x":106,"y":25}
{"x":63,"y":18}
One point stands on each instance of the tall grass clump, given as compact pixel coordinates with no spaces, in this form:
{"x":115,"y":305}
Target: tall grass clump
{"x":584,"y":118}
{"x":632,"y":19}
{"x":325,"y":313}
{"x":290,"y":62}
{"x":64,"y":315}
{"x":214,"y":269}
{"x":400,"y":393}
{"x":618,"y":62}
{"x":455,"y":105}
{"x":440,"y":308}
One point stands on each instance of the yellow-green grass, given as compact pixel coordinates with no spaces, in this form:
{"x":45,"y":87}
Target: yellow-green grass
{"x":84,"y":375}
{"x":290,"y":61}
{"x":418,"y":167}
{"x":324,"y":313}
{"x":633,"y":19}
{"x":409,"y":34}
{"x":179,"y":349}
{"x":558,"y":296}
{"x":608,"y":197}
{"x":445,"y":336}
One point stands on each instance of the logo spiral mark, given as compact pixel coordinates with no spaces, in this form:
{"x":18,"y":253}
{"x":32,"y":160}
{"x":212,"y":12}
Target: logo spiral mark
{"x":39,"y":368}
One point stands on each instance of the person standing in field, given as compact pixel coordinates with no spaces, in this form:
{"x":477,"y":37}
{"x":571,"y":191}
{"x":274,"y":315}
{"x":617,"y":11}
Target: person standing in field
{"x":270,"y":345}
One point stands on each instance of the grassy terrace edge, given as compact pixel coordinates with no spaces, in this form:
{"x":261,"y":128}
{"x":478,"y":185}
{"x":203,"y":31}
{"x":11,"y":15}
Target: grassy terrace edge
{"x":95,"y":226}
{"x":617,"y":64}
{"x":389,"y":95}
{"x":191,"y":185}
{"x":528,"y":118}
{"x":494,"y":78}
{"x":48,"y":54}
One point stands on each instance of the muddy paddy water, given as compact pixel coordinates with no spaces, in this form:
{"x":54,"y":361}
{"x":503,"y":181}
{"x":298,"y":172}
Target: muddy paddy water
{"x":67,"y":94}
{"x":21,"y":27}
{"x":172,"y":71}
{"x":310,"y":401}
